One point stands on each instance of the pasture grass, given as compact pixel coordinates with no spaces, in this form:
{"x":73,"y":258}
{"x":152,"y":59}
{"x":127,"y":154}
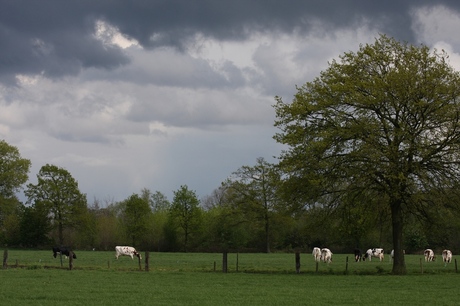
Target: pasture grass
{"x":189,"y":279}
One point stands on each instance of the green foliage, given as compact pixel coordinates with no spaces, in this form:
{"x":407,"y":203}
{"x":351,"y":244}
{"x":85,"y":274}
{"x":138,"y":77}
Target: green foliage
{"x":13,"y":170}
{"x":186,"y":214}
{"x":159,"y":205}
{"x":13,"y":174}
{"x":34,"y":226}
{"x":159,"y":202}
{"x":383,"y":122}
{"x":107,"y":230}
{"x":253,"y":194}
{"x":58,"y":194}
{"x":136,"y":219}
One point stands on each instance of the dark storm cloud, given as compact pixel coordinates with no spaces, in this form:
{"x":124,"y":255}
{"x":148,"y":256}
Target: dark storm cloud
{"x":174,"y":22}
{"x":55,"y":37}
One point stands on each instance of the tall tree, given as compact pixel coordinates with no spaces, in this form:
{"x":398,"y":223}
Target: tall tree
{"x":384,"y":120}
{"x":186,"y":213}
{"x":137,"y":215}
{"x":58,"y":193}
{"x":160,"y":207}
{"x":255,"y":194}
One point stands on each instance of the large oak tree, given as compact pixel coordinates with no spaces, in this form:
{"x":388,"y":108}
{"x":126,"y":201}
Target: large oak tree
{"x":57,"y":193}
{"x":381,"y":122}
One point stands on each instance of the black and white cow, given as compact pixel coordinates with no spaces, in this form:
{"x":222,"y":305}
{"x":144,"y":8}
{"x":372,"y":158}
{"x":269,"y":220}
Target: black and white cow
{"x":446,"y":256}
{"x":326,"y":255}
{"x":358,"y":255}
{"x":376,"y":252}
{"x":429,"y":255}
{"x":316,"y":254}
{"x":63,"y":251}
{"x":126,"y":251}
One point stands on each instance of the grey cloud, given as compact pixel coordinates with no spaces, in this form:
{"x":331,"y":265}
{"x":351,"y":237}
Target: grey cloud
{"x":165,"y":68}
{"x":55,"y":37}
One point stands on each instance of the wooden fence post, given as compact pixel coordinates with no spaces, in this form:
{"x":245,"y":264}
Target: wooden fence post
{"x":224,"y":262}
{"x":214,"y":266}
{"x":147,"y":258}
{"x":421,"y":266}
{"x":237,"y":262}
{"x":70,"y":260}
{"x":139,"y":260}
{"x":455,"y":265}
{"x":5,"y":259}
{"x":317,"y":264}
{"x":346,"y":266}
{"x":297,"y":262}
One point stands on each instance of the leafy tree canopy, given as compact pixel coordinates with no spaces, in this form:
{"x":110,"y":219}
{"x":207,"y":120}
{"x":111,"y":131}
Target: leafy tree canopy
{"x":13,"y":169}
{"x":57,"y":193}
{"x":383,"y":121}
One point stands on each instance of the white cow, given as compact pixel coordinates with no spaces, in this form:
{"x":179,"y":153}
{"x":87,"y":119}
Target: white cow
{"x":376,"y":252}
{"x":446,"y":256}
{"x":316,"y":254}
{"x":326,"y":255}
{"x":126,"y":251}
{"x":429,"y":255}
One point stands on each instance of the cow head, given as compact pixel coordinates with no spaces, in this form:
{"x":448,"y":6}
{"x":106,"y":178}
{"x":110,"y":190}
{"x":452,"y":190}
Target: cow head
{"x":136,"y":253}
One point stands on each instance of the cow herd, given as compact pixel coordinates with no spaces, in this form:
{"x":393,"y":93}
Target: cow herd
{"x":119,"y":251}
{"x":375,"y":252}
{"x":325,"y":255}
{"x":430,"y":256}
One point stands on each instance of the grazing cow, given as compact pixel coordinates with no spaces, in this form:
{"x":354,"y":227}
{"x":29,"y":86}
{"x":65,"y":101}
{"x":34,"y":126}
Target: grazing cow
{"x":63,"y":251}
{"x":358,"y":255}
{"x":376,"y":252}
{"x":316,"y":254}
{"x":326,"y":255}
{"x":429,"y":255}
{"x":446,"y":256}
{"x":126,"y":251}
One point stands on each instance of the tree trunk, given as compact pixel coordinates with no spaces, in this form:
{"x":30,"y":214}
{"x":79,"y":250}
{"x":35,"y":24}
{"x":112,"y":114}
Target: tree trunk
{"x":61,"y":233}
{"x":267,"y":234}
{"x":186,"y":239}
{"x":399,"y":264}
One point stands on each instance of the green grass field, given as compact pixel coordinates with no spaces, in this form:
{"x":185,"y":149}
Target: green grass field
{"x":190,"y":279}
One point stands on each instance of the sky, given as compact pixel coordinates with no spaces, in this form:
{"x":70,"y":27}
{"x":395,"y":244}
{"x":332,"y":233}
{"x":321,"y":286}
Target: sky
{"x":157,"y":94}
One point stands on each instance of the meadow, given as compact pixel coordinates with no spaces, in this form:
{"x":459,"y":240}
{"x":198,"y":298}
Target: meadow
{"x":197,"y":279}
